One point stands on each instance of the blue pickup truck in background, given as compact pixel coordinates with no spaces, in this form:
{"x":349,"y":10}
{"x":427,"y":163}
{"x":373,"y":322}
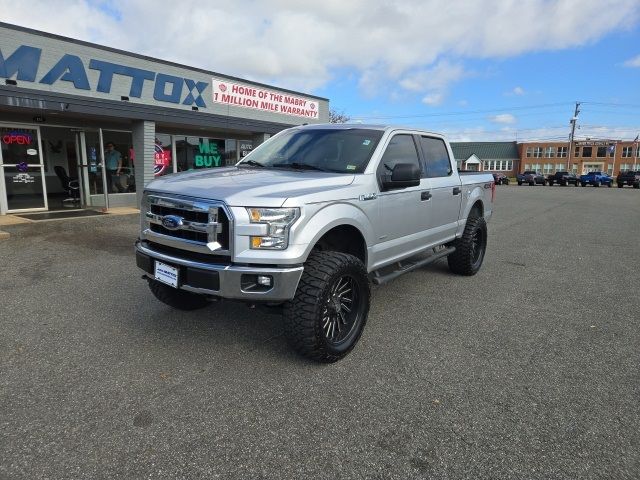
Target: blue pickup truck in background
{"x":596,"y":179}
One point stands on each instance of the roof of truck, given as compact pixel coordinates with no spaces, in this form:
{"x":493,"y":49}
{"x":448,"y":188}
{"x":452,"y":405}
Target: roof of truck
{"x":366,"y":126}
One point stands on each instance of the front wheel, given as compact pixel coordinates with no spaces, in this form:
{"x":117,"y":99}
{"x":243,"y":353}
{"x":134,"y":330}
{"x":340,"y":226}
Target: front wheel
{"x":596,"y":183}
{"x":620,"y":185}
{"x":470,"y":248}
{"x":329,"y":311}
{"x":610,"y":184}
{"x":519,"y":182}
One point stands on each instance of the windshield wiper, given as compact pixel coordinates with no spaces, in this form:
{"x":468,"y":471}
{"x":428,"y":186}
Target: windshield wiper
{"x":299,"y":166}
{"x":252,"y":163}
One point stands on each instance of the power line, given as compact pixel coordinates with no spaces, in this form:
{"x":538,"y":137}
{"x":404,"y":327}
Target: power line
{"x":461,"y":112}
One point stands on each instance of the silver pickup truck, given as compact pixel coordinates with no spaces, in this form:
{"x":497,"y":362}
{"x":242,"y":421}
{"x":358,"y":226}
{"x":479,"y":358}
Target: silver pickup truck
{"x":308,"y":220}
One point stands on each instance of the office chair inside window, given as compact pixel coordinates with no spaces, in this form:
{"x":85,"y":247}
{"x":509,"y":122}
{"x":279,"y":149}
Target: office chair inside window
{"x":70,"y":185}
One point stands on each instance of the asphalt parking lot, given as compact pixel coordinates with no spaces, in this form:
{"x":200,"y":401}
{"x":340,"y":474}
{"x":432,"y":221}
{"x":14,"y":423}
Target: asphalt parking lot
{"x":528,"y":370}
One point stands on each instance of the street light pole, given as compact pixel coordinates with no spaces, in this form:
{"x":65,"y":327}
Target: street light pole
{"x":573,"y":121}
{"x":635,"y":152}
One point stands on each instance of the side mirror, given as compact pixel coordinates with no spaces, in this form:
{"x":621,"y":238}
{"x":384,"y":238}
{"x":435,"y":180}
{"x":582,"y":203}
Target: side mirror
{"x":403,"y":175}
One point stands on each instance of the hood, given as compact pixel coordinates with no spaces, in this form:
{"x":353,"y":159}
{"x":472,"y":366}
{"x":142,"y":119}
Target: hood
{"x":264,"y":187}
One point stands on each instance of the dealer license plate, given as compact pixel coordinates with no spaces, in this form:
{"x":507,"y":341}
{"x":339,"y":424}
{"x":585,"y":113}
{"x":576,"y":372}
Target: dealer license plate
{"x":166,"y":274}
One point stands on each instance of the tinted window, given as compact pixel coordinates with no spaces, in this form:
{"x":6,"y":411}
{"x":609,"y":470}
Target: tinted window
{"x":345,"y":150}
{"x":437,"y":157}
{"x":401,"y":149}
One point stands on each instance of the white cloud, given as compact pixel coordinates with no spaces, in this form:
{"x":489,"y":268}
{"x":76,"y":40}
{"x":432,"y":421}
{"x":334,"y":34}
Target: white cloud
{"x":302,"y":44}
{"x":633,"y":62}
{"x":503,"y":118}
{"x":435,"y":81}
{"x":518,"y":91}
{"x":433,"y":99}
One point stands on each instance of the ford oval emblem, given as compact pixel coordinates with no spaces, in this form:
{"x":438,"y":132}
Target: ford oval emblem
{"x":172,"y":222}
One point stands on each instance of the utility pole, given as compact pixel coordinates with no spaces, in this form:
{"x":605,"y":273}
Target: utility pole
{"x":635,"y":152}
{"x":573,"y":122}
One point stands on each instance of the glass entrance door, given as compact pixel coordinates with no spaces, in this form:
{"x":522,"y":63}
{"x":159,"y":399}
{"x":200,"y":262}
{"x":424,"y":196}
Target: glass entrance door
{"x":23,"y":179}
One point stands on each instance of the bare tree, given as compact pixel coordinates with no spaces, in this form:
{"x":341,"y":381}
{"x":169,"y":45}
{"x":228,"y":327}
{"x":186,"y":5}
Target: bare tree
{"x":338,"y":117}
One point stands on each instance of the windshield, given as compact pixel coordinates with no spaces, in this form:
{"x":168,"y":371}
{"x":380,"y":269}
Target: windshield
{"x":328,"y":150}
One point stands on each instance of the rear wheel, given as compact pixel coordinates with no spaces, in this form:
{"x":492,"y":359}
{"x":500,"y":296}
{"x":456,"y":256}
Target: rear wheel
{"x":610,"y":184}
{"x":531,"y":184}
{"x":620,"y":185}
{"x":596,"y":183}
{"x":519,"y":182}
{"x":175,"y":298}
{"x":329,"y":311}
{"x":470,"y":248}
{"x":583,"y":184}
{"x":636,"y":185}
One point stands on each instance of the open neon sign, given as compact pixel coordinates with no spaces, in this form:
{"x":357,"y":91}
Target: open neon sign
{"x":17,"y":138}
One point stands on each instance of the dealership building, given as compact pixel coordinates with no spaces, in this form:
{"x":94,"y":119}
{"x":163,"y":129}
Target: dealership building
{"x":84,"y":125}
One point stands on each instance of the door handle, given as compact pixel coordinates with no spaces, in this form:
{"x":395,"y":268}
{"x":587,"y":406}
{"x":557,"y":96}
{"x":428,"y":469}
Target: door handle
{"x":425,"y":195}
{"x":457,"y":190}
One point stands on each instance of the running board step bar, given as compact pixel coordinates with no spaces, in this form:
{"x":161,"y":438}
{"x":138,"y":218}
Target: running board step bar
{"x":407,"y":266}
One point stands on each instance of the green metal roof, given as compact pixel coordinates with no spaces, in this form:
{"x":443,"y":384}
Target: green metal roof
{"x":485,"y":150}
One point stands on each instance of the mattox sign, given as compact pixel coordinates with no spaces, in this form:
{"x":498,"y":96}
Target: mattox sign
{"x":24,"y":64}
{"x":263,"y":99}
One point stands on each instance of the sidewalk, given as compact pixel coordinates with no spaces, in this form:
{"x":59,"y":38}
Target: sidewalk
{"x":10,"y":220}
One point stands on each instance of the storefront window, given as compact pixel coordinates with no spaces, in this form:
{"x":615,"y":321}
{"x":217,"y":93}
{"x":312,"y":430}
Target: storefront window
{"x":119,"y":160}
{"x":230,"y":152}
{"x":163,"y":161}
{"x":193,"y":153}
{"x":19,"y":146}
{"x":245,"y":148}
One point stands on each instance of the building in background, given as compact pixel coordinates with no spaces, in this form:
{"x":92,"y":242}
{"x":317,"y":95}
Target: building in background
{"x":113,"y":120}
{"x":609,"y":156}
{"x":487,"y":156}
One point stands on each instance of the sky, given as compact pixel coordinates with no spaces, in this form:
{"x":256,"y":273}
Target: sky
{"x":475,"y":70}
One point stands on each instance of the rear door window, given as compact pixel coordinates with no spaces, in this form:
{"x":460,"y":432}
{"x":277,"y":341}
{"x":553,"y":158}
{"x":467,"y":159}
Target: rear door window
{"x":436,"y":157}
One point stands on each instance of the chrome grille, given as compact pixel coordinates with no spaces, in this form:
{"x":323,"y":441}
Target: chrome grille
{"x":194,"y":225}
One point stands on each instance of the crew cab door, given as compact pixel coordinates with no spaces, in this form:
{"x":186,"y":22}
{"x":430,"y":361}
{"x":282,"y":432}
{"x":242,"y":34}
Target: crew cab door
{"x":445,"y":188}
{"x":404,"y":212}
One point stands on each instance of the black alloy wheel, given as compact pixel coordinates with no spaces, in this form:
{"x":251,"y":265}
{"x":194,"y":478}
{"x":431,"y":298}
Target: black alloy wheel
{"x":342,"y":310}
{"x":325,"y":319}
{"x":470,"y":248}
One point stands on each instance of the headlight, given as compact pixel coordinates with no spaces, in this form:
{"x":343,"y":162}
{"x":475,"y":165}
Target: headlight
{"x":278,"y":220}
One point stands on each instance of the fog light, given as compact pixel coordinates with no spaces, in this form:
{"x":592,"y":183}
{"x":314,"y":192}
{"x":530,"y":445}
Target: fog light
{"x":264,"y":280}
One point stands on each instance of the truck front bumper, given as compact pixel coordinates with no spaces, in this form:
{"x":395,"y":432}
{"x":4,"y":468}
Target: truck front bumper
{"x":224,"y":281}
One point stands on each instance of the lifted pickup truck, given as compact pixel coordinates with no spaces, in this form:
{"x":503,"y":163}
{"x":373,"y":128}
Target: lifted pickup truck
{"x":308,"y":220}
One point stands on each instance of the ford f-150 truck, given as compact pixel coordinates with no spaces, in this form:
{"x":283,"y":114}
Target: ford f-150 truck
{"x":308,"y":220}
{"x":596,"y":179}
{"x":631,"y":178}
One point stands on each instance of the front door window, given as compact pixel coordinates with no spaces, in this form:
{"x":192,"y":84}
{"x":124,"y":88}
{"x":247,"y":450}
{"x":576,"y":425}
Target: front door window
{"x":22,"y":168}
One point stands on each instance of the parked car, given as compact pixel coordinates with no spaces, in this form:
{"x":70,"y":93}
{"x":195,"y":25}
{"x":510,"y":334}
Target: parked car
{"x":596,"y":179}
{"x":631,"y":178}
{"x":531,"y":177}
{"x":307,"y":220}
{"x":501,"y":179}
{"x":563,"y":178}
